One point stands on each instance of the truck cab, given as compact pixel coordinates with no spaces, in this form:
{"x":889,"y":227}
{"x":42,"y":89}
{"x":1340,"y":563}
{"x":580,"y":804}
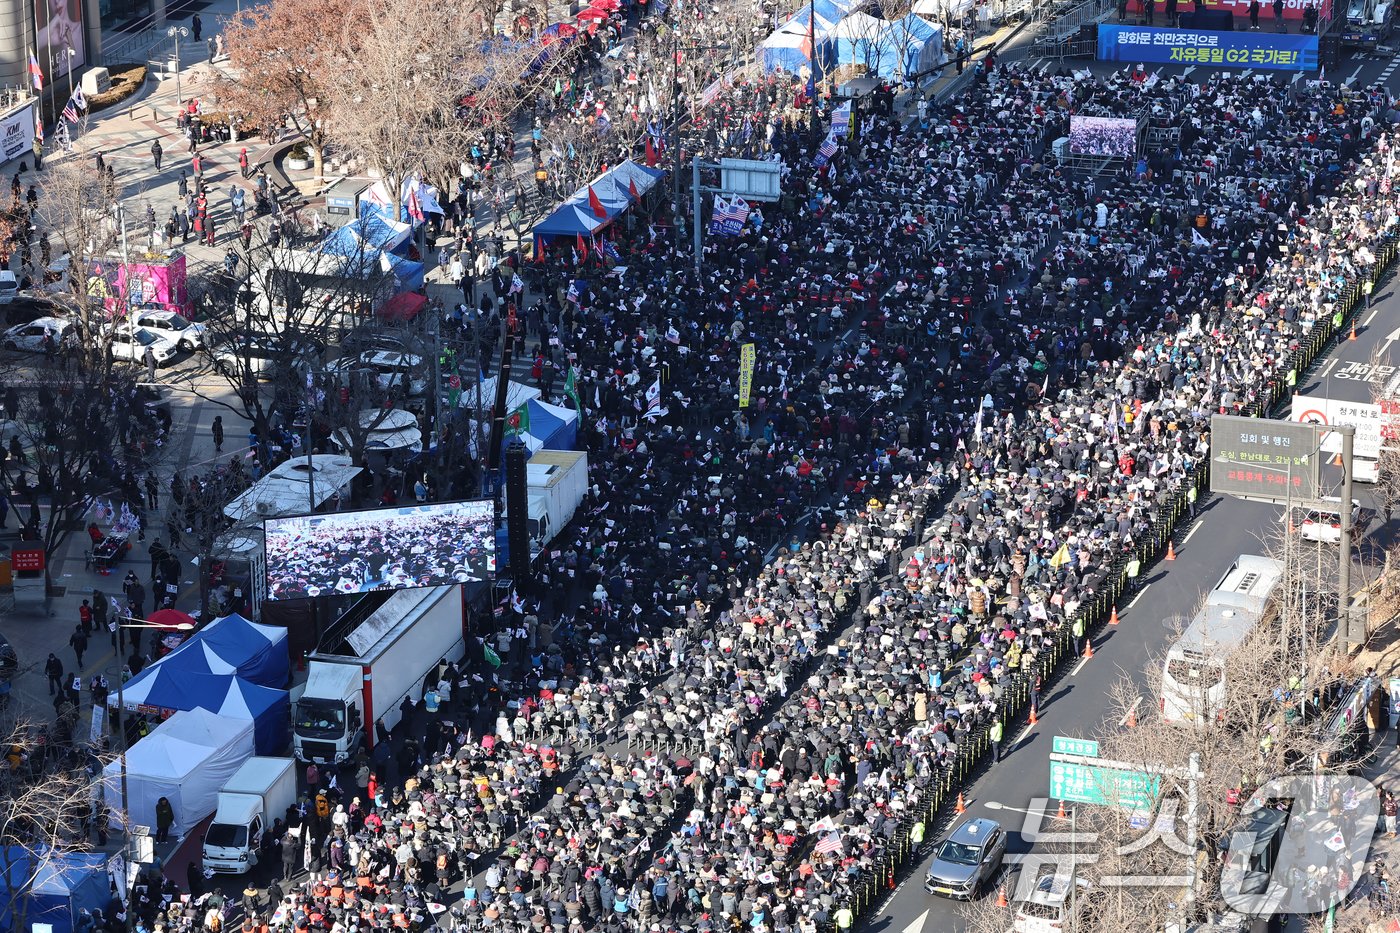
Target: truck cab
{"x":260,"y":790}
{"x":328,"y":725}
{"x":234,"y":838}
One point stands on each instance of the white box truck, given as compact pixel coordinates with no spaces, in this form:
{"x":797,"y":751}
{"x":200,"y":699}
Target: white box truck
{"x":258,"y":793}
{"x":366,"y":676}
{"x":556,"y":482}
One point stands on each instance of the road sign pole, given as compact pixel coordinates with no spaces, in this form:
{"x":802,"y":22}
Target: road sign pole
{"x":1344,"y":550}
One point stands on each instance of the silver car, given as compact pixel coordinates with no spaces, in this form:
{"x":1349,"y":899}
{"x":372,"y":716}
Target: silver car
{"x":968,"y":860}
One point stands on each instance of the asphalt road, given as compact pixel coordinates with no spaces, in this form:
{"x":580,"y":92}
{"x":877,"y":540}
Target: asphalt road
{"x":1224,"y":529}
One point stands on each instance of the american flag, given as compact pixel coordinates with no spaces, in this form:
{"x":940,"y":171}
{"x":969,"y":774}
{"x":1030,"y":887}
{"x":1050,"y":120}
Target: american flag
{"x":827,"y":150}
{"x":70,"y":111}
{"x":831,"y":842}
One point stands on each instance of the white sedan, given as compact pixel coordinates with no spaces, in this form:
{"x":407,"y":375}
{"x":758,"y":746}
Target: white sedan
{"x":30,"y":337}
{"x":125,"y":346}
{"x":184,"y":334}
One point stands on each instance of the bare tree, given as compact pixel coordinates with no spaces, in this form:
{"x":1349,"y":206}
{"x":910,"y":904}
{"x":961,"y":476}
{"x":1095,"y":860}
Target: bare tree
{"x":283,"y":65}
{"x":45,"y":808}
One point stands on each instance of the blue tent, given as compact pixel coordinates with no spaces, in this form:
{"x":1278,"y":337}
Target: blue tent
{"x":170,"y":689}
{"x":231,"y":645}
{"x":551,"y":427}
{"x":576,"y":216}
{"x":52,"y":888}
{"x":261,"y":649}
{"x":786,"y":50}
{"x":908,"y":47}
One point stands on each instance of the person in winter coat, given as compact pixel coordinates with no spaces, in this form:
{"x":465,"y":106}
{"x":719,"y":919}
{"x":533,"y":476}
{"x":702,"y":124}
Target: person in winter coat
{"x":165,"y":818}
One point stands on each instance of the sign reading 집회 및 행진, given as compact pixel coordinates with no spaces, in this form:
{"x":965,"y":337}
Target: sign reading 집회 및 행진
{"x":1262,"y":459}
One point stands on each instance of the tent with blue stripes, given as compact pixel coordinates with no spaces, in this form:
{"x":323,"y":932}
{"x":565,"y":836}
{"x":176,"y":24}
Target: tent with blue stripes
{"x":170,"y":689}
{"x":231,"y":645}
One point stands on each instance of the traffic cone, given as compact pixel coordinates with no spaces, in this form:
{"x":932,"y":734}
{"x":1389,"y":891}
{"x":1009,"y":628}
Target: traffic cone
{"x":1061,"y":815}
{"x":1353,"y":329}
{"x":1171,"y":550}
{"x":1112,"y":620}
{"x":961,"y":808}
{"x":1001,"y":897}
{"x":1089,"y":644}
{"x":1032,"y":720}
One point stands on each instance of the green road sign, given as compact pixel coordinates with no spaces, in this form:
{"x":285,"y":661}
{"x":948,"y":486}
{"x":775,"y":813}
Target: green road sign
{"x":1064,"y":745}
{"x":1131,"y":790}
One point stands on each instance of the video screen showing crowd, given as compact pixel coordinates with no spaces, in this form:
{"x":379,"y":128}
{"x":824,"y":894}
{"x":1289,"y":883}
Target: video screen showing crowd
{"x":1103,"y":136}
{"x":380,"y":549}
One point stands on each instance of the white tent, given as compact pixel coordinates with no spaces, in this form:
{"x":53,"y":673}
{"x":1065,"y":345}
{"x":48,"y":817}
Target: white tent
{"x":185,"y":759}
{"x":942,"y":10}
{"x":517,"y":394}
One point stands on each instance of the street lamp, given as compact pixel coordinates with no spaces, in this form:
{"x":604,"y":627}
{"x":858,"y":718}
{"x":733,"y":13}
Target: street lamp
{"x":176,"y":33}
{"x":69,"y":53}
{"x":1073,"y":842}
{"x":121,"y":708}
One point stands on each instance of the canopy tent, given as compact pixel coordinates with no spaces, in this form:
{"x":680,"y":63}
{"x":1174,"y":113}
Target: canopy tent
{"x":517,"y":394}
{"x":549,"y":427}
{"x":403,"y":307}
{"x":260,"y":650}
{"x":231,"y":645}
{"x":826,"y":20}
{"x":576,"y":216}
{"x":787,"y":49}
{"x":384,"y":431}
{"x":172,"y":690}
{"x":185,"y":759}
{"x":942,"y":10}
{"x":50,"y":888}
{"x":908,"y":47}
{"x":857,"y":40}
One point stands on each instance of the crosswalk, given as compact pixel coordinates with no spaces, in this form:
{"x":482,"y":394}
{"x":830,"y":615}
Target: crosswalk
{"x":1388,"y":70}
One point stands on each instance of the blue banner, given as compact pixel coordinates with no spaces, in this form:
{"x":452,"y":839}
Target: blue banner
{"x":1280,"y":51}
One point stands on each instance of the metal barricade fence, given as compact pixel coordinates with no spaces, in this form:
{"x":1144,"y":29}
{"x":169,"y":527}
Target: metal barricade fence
{"x":972,"y":749}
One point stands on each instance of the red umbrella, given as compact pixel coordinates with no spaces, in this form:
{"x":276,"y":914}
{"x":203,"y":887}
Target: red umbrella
{"x":612,"y":6}
{"x":170,"y":618}
{"x":593,"y":13}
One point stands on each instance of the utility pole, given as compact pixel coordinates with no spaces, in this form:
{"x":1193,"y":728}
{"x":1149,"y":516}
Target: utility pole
{"x":1348,"y":432}
{"x":175,"y":32}
{"x":695,"y":195}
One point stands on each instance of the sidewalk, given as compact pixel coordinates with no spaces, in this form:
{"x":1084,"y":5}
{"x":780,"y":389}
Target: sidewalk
{"x":123,"y":133}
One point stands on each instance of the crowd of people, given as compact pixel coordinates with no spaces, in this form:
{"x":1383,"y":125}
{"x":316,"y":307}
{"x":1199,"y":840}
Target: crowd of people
{"x":979,"y":377}
{"x":771,"y":631}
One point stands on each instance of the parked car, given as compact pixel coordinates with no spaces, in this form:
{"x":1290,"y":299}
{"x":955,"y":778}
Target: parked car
{"x":30,"y":337}
{"x":262,"y":355}
{"x":1324,"y":525}
{"x":1049,"y":907}
{"x":30,"y":305}
{"x":131,"y":345}
{"x":966,"y":862}
{"x":185,"y":334}
{"x":9,"y":287}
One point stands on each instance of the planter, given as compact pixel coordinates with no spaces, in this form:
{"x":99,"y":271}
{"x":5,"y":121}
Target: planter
{"x":298,"y":164}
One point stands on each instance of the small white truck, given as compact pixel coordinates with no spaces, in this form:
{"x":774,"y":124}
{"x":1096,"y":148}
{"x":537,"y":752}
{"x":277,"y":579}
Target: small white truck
{"x":258,"y":793}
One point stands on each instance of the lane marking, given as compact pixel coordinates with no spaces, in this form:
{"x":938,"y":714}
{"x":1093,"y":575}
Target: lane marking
{"x":1327,"y":367}
{"x":1371,"y":317}
{"x":1141,"y":593}
{"x":1353,"y":75}
{"x":1190,"y":68}
{"x":1080,"y":666}
{"x":1194,"y":529}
